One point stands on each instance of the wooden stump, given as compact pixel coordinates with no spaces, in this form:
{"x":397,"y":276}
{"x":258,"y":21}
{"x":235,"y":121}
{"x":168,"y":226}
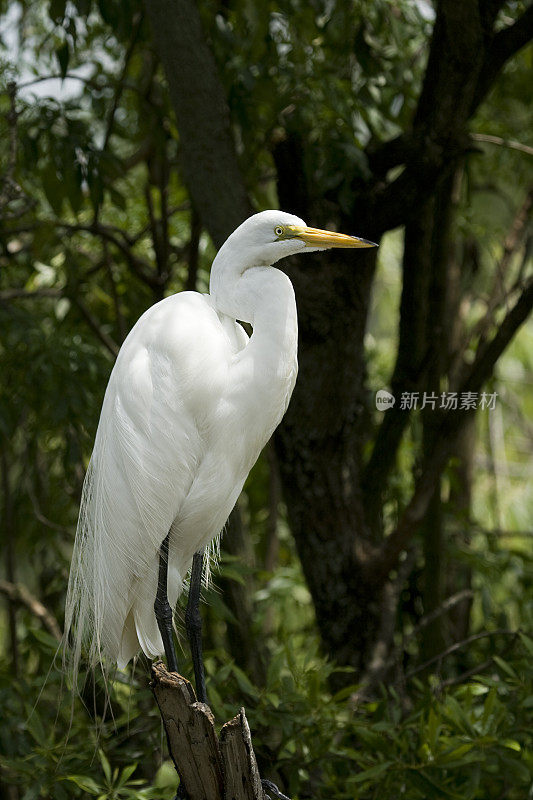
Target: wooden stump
{"x":209,"y":769}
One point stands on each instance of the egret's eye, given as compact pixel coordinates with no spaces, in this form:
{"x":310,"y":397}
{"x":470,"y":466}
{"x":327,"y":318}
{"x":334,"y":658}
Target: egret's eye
{"x":278,"y":231}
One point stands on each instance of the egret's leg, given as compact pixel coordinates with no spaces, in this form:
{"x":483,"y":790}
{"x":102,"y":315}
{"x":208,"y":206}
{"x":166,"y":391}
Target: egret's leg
{"x":163,"y":611}
{"x":193,"y":625}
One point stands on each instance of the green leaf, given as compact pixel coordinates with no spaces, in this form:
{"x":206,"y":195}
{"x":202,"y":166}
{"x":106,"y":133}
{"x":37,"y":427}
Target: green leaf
{"x":456,"y":753}
{"x":126,"y":773}
{"x":84,"y":782}
{"x":372,"y":772}
{"x":433,"y":729}
{"x":504,"y":666}
{"x":105,"y":766}
{"x":430,"y":788}
{"x":244,"y":682}
{"x":527,"y":642}
{"x":488,"y":708}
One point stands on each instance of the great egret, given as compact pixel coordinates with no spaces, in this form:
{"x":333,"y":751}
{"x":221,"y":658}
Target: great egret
{"x":190,"y":403}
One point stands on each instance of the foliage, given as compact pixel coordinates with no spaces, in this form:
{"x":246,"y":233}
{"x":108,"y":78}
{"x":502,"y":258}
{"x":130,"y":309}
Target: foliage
{"x":470,"y":740}
{"x":96,"y":226}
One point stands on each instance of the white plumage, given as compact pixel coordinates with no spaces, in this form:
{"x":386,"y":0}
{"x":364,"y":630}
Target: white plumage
{"x":190,"y":403}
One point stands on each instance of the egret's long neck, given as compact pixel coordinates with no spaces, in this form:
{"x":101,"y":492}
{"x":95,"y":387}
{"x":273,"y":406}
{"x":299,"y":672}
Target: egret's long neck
{"x":264,"y":297}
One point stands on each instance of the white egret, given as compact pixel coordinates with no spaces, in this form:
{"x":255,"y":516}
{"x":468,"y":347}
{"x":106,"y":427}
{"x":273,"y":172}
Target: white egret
{"x":190,"y":403}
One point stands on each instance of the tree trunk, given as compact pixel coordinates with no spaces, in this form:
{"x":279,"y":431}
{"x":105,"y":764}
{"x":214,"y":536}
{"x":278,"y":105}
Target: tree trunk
{"x":319,"y":450}
{"x":210,"y":768}
{"x":333,"y":500}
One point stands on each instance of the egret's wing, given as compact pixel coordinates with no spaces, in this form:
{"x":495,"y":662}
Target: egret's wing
{"x":148,"y":447}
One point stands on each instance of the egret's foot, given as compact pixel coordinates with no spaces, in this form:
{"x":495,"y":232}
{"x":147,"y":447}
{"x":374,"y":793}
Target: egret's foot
{"x":271,"y":791}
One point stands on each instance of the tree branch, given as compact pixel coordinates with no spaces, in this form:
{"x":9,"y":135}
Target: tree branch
{"x":464,"y":61}
{"x":18,"y":593}
{"x":452,"y":423}
{"x":91,"y":320}
{"x":457,"y":646}
{"x":119,"y":89}
{"x":27,"y":294}
{"x":497,"y":294}
{"x":510,"y":143}
{"x":209,"y":767}
{"x":412,"y":353}
{"x":503,"y":46}
{"x":208,"y":159}
{"x":116,"y":236}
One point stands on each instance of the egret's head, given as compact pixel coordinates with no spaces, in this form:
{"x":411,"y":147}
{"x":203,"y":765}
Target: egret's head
{"x":268,"y":236}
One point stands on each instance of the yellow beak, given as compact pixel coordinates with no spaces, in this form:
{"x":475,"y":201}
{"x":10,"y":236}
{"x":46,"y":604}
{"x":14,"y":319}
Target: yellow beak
{"x":314,"y":237}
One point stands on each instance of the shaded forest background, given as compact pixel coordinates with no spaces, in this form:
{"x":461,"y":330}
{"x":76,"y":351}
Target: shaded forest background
{"x":373,"y":604}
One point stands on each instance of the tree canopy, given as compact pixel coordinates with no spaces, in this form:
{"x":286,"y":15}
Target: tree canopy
{"x":373,"y":601}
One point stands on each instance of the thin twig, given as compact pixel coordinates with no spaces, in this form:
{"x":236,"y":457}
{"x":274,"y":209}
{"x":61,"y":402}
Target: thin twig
{"x":116,"y":236}
{"x":104,"y":337}
{"x":441,"y":609}
{"x":486,"y":137}
{"x":136,"y":22}
{"x":40,"y":517}
{"x":457,"y":646}
{"x":27,"y":294}
{"x":465,"y":675}
{"x":18,"y":593}
{"x":121,"y":322}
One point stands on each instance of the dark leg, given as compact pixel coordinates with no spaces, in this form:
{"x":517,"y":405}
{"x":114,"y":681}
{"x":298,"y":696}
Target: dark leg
{"x":193,"y":625}
{"x":163,"y":612}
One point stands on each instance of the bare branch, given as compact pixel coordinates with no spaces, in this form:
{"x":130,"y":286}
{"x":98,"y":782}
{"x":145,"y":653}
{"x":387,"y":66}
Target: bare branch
{"x":208,"y":766}
{"x":121,"y":322}
{"x":497,"y":293}
{"x":105,"y":338}
{"x":116,"y":236}
{"x":503,"y":46}
{"x":441,"y":609}
{"x":464,"y":61}
{"x":94,"y":325}
{"x":18,"y":593}
{"x":119,"y":89}
{"x":136,"y":26}
{"x":457,"y":646}
{"x":452,"y":423}
{"x":486,"y":137}
{"x":412,"y":355}
{"x":27,"y":294}
{"x":465,"y":675}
